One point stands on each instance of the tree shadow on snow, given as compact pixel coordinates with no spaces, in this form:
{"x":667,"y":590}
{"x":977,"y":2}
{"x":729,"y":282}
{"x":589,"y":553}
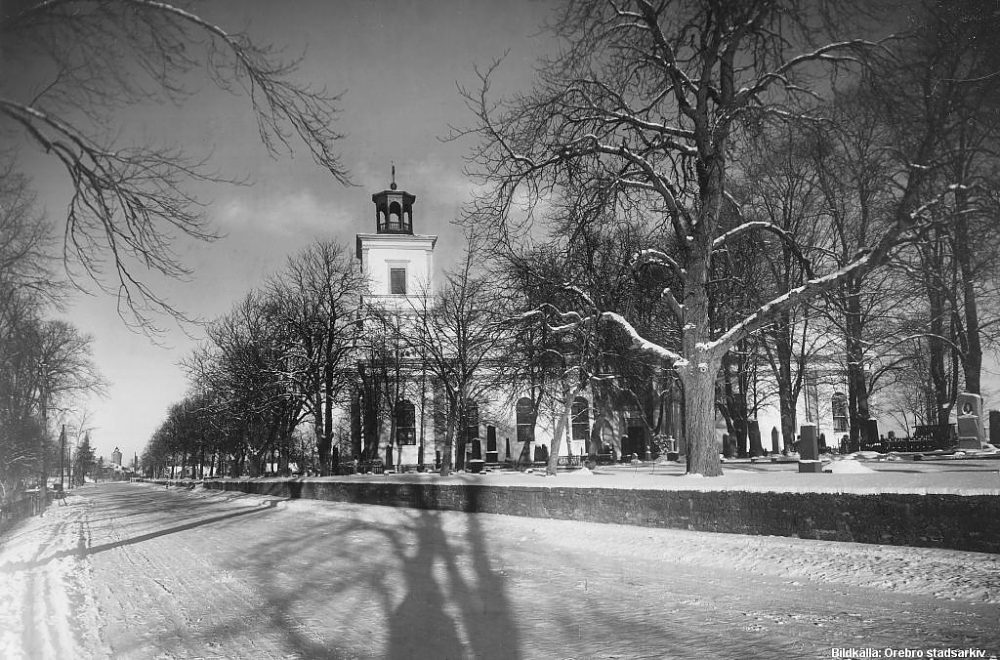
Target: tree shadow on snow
{"x":391,"y":582}
{"x":83,"y":550}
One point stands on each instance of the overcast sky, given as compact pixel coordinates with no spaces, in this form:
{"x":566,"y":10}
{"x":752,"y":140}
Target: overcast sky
{"x":398,"y":63}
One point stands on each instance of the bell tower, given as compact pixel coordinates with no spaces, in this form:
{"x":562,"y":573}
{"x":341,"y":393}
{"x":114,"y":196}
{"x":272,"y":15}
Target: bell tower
{"x":394,"y":209}
{"x":399,"y":264}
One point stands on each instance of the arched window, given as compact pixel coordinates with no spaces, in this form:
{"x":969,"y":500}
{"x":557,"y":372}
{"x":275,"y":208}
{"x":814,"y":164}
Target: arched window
{"x":471,"y":415}
{"x":525,"y":419}
{"x":395,"y":217}
{"x":581,"y":418}
{"x":838,"y":404}
{"x":406,"y":423}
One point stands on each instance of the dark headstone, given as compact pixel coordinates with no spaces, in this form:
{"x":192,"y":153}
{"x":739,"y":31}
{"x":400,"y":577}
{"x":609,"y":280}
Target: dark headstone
{"x":808,"y":444}
{"x":995,"y":428}
{"x":727,"y":446}
{"x":753,"y":430}
{"x":871,"y":437}
{"x":775,"y":440}
{"x":809,"y":450}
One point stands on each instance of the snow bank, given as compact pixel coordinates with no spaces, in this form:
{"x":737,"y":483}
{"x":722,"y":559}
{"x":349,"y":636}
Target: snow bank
{"x":848,"y":467}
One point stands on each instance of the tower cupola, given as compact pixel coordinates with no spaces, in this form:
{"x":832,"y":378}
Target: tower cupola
{"x":393,"y":209}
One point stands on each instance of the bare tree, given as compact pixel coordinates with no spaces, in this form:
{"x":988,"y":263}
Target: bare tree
{"x":460,"y":336}
{"x":317,"y":296}
{"x":854,"y":174}
{"x":78,"y":64}
{"x":646,"y":98}
{"x":950,"y":76}
{"x":245,"y":366}
{"x":45,"y":366}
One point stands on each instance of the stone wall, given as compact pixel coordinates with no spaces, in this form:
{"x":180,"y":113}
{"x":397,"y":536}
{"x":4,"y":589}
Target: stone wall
{"x":946,"y":521}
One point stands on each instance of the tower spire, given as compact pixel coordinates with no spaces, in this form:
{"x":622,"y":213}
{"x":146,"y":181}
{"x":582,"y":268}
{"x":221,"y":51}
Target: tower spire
{"x":392,"y":186}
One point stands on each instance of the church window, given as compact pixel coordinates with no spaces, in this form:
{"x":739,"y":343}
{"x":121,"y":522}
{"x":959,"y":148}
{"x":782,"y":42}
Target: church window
{"x":406,"y":423}
{"x":471,"y":417}
{"x":838,"y":402}
{"x":525,"y":420}
{"x":581,"y":418}
{"x":397,"y":281}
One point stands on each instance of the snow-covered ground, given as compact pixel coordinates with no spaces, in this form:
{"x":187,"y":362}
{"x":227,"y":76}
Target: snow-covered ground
{"x":136,"y":571}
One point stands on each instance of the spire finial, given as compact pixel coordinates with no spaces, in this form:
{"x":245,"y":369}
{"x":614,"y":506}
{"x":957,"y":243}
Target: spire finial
{"x":392,"y":186}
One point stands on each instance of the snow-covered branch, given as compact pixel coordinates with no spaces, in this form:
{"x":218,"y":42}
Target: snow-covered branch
{"x":640,"y":343}
{"x":774,"y":229}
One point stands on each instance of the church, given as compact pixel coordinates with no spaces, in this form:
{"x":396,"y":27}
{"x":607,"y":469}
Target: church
{"x":400,"y":420}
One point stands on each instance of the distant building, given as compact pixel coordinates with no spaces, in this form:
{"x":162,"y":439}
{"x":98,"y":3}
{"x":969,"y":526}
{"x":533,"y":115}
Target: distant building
{"x":116,"y":457}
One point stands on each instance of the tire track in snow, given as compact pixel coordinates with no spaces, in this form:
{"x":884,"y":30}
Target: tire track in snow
{"x":47,"y":572}
{"x":158,"y":604}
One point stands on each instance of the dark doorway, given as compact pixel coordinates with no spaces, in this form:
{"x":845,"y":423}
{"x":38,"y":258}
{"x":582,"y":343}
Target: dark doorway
{"x":634,"y":443}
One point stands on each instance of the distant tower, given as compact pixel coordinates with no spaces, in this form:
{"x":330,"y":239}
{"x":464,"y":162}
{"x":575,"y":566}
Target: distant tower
{"x":398,"y":263}
{"x":116,"y":457}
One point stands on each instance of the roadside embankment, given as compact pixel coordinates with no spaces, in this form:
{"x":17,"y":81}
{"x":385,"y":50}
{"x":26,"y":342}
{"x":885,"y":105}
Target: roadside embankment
{"x":959,"y":519}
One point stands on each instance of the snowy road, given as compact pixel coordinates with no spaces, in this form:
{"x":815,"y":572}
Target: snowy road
{"x":133,"y":571}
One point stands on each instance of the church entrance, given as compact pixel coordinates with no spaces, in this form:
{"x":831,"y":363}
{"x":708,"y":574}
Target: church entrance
{"x":634,"y":443}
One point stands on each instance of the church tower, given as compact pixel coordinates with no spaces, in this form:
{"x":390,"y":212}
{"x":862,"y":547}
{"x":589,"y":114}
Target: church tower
{"x":399,"y":264}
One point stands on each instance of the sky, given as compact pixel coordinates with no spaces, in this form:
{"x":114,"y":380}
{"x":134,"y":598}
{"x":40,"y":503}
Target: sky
{"x":398,"y":63}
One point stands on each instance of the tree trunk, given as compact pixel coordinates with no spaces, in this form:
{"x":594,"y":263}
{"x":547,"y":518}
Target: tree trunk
{"x":699,"y":419}
{"x":323,"y":432}
{"x":699,"y":374}
{"x":857,"y":385}
{"x":782,"y":336}
{"x":449,"y":439}
{"x":972,"y":360}
{"x":938,"y":374}
{"x":564,"y":426}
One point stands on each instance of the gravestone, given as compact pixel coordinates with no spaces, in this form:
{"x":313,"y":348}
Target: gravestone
{"x":809,"y":449}
{"x":727,"y":446}
{"x":753,"y":429}
{"x":971,"y":433}
{"x":492,"y":455}
{"x":871,"y":440}
{"x":995,"y":428}
{"x":775,"y":437}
